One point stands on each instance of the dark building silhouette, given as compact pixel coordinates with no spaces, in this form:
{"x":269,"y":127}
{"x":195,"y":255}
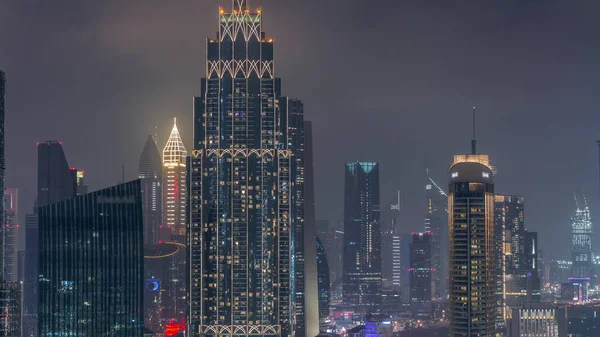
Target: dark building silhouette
{"x":362,"y":237}
{"x":91,"y":264}
{"x":56,"y":182}
{"x":150,"y":174}
{"x":82,"y":187}
{"x":243,"y":190}
{"x":472,"y":307}
{"x":323,"y":281}
{"x":421,"y":270}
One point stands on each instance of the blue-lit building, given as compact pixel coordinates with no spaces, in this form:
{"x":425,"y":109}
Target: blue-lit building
{"x":91,"y":264}
{"x":362,"y":239}
{"x":246,"y":187}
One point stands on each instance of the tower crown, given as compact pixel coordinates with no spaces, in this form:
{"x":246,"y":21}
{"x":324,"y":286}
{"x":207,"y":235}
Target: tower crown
{"x":240,"y":5}
{"x":174,"y":153}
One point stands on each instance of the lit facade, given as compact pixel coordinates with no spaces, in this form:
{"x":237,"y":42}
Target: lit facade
{"x":82,"y":187}
{"x":362,"y":237}
{"x":175,"y":187}
{"x":538,"y":320}
{"x":420,"y":270}
{"x":92,"y":289}
{"x":581,"y":244}
{"x":10,"y":309}
{"x":151,"y":175}
{"x":11,"y":233}
{"x":245,"y":222}
{"x":434,"y":218}
{"x":472,"y":307}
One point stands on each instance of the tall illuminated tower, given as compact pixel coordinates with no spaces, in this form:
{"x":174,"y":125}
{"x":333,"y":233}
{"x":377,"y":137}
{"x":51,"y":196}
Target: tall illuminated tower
{"x":434,"y":217}
{"x":581,"y":224}
{"x":11,"y":233}
{"x":174,"y":187}
{"x":151,"y":175}
{"x":472,"y":308}
{"x":362,"y":237}
{"x":244,"y":201}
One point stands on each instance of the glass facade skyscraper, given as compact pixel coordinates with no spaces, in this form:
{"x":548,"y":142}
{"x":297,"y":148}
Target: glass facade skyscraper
{"x":11,"y":228}
{"x":472,"y":307}
{"x":150,"y":174}
{"x":362,"y":237}
{"x":323,"y":281}
{"x":244,"y":192}
{"x":420,"y":270}
{"x":581,"y":244}
{"x":434,"y":218}
{"x":91,"y":264}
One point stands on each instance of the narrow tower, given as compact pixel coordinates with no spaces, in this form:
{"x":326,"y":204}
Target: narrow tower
{"x":151,"y":175}
{"x":174,"y":188}
{"x":472,"y":308}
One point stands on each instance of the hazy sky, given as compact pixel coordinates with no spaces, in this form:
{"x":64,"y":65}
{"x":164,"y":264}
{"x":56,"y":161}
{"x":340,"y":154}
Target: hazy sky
{"x":382,"y":80}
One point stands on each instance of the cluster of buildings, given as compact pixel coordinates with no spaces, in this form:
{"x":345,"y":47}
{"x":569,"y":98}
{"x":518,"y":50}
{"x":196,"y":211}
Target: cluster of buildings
{"x":223,"y":240}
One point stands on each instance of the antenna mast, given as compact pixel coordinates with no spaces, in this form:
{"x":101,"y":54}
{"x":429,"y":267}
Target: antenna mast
{"x":474,"y":141}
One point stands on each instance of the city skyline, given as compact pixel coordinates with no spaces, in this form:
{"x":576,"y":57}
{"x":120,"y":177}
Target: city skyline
{"x":446,"y":103}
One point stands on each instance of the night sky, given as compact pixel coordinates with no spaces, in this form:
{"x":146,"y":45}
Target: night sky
{"x":382,"y":80}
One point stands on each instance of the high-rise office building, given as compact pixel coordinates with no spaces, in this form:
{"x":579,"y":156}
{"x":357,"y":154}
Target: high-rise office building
{"x":387,"y":256}
{"x":151,"y":175}
{"x":531,"y":265}
{"x":323,"y":281}
{"x":82,"y":187}
{"x":175,"y":187}
{"x":581,"y":244}
{"x":559,"y":271}
{"x":2,"y":160}
{"x":362,"y":237}
{"x":10,"y":315}
{"x":472,"y":307}
{"x":11,"y":232}
{"x":96,"y":288}
{"x":56,"y":182}
{"x":305,"y":219}
{"x":421,"y":270}
{"x":243,"y":229}
{"x":434,"y":218}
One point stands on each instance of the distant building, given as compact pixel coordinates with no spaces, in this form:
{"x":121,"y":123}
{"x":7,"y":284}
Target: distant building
{"x":93,"y":289}
{"x":174,"y":187}
{"x":323,"y":281}
{"x":538,"y":320}
{"x":576,"y":290}
{"x":165,"y":293}
{"x":472,"y":247}
{"x":151,"y":176}
{"x":421,"y":271}
{"x":581,"y":244}
{"x":10,"y":315}
{"x":435,"y":223}
{"x":584,"y":320}
{"x":559,"y":271}
{"x":30,"y":289}
{"x":362,"y":237}
{"x":82,"y":187}
{"x":11,"y":233}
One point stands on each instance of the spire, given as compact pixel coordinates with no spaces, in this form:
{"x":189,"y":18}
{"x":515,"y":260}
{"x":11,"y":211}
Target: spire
{"x":474,"y":141}
{"x":174,"y":153}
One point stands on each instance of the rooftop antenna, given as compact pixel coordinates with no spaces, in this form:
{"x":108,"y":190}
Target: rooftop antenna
{"x":474,"y":141}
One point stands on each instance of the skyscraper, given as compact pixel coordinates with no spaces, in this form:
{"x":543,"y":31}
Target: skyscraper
{"x":243,"y":229}
{"x":82,"y":188}
{"x":11,"y":230}
{"x":174,"y":187}
{"x":56,"y":182}
{"x":150,"y":174}
{"x":472,"y":308}
{"x":362,"y":237}
{"x":323,"y":281}
{"x":435,"y":216}
{"x":2,"y":163}
{"x":94,"y":288}
{"x":420,"y":270}
{"x":581,"y":244}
